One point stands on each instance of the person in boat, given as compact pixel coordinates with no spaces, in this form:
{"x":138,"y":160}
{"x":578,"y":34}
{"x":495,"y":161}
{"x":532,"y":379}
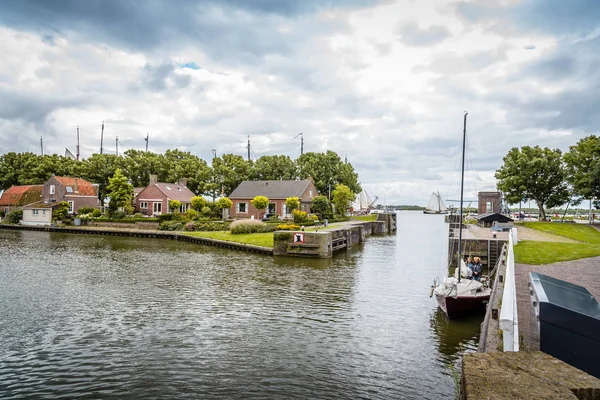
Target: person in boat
{"x":477,"y":269}
{"x":469,"y":263}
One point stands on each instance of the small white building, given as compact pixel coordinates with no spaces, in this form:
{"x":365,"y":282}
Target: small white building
{"x":39,"y":213}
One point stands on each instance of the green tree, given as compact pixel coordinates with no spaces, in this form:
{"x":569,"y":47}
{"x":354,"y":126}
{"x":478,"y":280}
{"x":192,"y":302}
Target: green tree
{"x":60,"y":211}
{"x":99,"y":168}
{"x":534,"y":173}
{"x":198,"y":202}
{"x":321,"y":206}
{"x":260,"y":203}
{"x":342,"y":197}
{"x":292,"y":203}
{"x":175,"y":205}
{"x":223,"y":202}
{"x":229,"y":171}
{"x":119,"y":190}
{"x":582,"y":160}
{"x":275,"y":168}
{"x":327,"y":170}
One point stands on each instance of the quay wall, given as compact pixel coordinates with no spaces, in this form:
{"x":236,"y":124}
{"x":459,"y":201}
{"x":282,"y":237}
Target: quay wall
{"x":142,"y":233}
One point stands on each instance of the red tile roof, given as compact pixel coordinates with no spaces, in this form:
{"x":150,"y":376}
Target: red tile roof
{"x":84,"y":188}
{"x":21,"y":195}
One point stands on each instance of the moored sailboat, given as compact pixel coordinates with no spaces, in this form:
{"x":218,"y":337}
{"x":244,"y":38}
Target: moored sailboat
{"x":458,"y":296}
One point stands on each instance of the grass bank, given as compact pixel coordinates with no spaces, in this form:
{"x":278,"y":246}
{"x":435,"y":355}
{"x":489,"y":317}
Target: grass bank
{"x":257,"y":239}
{"x":537,"y":253}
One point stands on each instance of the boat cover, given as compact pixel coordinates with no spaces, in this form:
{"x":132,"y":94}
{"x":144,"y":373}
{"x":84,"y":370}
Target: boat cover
{"x":453,"y":288}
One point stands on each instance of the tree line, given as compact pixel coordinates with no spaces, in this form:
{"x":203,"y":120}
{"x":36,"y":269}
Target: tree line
{"x":552,"y":178}
{"x":219,"y":178}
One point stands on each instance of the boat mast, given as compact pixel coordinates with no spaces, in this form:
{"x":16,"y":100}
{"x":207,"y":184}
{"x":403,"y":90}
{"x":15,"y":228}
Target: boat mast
{"x":462,"y":182}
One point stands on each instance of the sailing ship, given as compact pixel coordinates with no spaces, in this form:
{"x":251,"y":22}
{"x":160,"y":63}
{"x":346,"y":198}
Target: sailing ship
{"x":436,"y":205}
{"x":459,"y":296}
{"x":363,"y":202}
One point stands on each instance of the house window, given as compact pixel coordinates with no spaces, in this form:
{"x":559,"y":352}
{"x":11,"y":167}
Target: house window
{"x":71,"y":206}
{"x":157,"y":208}
{"x":36,"y":212}
{"x":69,"y":189}
{"x":272,"y":209}
{"x":144,"y":204}
{"x":43,"y":212}
{"x":488,"y":206}
{"x":52,"y":189}
{"x":310,"y":193}
{"x":184,"y":207}
{"x":242,"y":207}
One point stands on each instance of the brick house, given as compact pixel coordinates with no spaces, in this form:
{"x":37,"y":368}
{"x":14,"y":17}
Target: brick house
{"x":276,"y":191}
{"x":154,"y":199}
{"x":77,"y":192}
{"x":16,"y":197}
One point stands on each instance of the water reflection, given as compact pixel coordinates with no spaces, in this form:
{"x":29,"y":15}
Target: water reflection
{"x":456,"y":336}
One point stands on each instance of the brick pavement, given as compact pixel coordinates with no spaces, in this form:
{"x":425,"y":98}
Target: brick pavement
{"x":584,"y":272}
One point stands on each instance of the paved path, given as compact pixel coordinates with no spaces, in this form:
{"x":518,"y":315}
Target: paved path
{"x":584,"y":272}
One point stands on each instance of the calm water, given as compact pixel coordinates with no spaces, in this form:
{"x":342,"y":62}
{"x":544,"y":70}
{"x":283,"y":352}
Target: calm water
{"x":104,"y":317}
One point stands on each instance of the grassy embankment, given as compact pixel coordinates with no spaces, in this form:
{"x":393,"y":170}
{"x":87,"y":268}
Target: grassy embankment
{"x":264,"y":239}
{"x":539,"y":252}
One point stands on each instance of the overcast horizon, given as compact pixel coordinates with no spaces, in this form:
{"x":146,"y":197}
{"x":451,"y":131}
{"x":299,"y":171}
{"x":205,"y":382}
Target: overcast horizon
{"x":383,"y":83}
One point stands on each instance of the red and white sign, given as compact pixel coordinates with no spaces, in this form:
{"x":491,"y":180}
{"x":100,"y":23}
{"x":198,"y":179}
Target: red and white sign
{"x":298,"y":237}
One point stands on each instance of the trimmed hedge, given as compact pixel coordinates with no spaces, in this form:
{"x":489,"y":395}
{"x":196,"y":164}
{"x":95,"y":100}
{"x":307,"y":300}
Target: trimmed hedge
{"x":170,"y":226}
{"x":250,"y":226}
{"x":206,"y":226}
{"x":287,"y":227}
{"x":126,"y":220}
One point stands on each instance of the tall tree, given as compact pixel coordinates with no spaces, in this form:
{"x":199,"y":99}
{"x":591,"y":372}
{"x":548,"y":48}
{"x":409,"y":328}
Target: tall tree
{"x":99,"y":168}
{"x":534,"y":173}
{"x":327,"y":170}
{"x":119,"y":190}
{"x":275,"y":168}
{"x":582,"y":160}
{"x":342,"y":197}
{"x":229,"y":171}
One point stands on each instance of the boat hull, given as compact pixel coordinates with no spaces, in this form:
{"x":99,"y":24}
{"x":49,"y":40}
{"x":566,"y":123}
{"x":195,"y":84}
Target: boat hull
{"x":455,"y":307}
{"x":435,"y":212}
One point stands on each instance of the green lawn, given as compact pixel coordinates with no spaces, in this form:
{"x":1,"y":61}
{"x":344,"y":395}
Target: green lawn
{"x":537,"y":253}
{"x":257,"y":239}
{"x":370,"y":217}
{"x":579,"y":232}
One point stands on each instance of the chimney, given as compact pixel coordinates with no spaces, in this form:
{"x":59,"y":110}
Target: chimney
{"x":153,"y":179}
{"x":76,"y":188}
{"x":183,"y":182}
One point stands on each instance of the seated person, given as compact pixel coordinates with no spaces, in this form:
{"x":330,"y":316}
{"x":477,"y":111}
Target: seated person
{"x":477,"y":269}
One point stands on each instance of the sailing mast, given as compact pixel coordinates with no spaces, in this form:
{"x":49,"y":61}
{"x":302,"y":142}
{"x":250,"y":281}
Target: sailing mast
{"x":462,"y":182}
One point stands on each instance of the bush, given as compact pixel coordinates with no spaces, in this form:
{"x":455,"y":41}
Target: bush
{"x":300,"y":217}
{"x":170,"y":226}
{"x":96,"y":213}
{"x":14,"y":216}
{"x":206,"y":226}
{"x":1,"y":214}
{"x":137,"y":215}
{"x":165,"y":217}
{"x":191,"y":213}
{"x":85,"y":210}
{"x":250,"y":226}
{"x":206,"y":211}
{"x":117,"y":215}
{"x":287,"y":227}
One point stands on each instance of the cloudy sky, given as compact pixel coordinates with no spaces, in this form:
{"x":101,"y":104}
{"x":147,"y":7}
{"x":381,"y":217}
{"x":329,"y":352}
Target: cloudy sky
{"x":384,"y":83}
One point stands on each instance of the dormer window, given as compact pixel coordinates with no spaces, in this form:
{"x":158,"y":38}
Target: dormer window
{"x":69,"y":189}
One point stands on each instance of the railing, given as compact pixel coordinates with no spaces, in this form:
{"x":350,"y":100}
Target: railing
{"x":509,"y":320}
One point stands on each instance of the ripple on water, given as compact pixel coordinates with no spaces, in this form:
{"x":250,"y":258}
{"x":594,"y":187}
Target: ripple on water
{"x":93,"y":317}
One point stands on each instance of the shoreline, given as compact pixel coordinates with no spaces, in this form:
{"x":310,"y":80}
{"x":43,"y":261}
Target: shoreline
{"x":143,"y":233}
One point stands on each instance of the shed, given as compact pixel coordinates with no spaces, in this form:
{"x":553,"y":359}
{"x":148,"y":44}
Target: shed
{"x":487,"y":220}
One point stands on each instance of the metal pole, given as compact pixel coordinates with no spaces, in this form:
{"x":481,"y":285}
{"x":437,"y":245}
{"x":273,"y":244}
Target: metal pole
{"x":147,"y":137}
{"x":41,"y":146}
{"x":77,"y":142}
{"x":248,"y":147}
{"x":102,"y":137}
{"x":117,"y":146}
{"x":462,"y":182}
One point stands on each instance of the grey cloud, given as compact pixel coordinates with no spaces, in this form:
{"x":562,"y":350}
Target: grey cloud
{"x":447,"y":63}
{"x":412,"y":35}
{"x":157,"y":78}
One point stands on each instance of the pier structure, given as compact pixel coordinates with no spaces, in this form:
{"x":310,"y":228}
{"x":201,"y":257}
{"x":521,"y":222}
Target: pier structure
{"x":323,"y":243}
{"x":506,"y":364}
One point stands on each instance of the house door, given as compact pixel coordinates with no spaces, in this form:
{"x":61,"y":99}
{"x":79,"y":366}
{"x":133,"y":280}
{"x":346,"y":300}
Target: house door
{"x":157,"y":208}
{"x":271,"y":208}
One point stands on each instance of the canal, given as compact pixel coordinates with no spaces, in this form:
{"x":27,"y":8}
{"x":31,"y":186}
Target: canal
{"x":99,"y":317}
